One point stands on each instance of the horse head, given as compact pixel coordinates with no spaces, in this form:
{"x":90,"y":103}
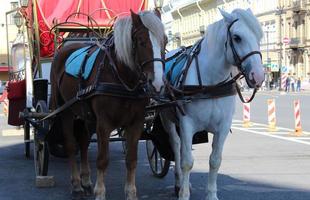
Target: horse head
{"x":140,"y":44}
{"x":242,"y":46}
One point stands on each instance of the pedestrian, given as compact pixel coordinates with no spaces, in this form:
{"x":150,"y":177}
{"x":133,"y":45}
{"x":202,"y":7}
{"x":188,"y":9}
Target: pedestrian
{"x":298,"y":85}
{"x":293,"y":84}
{"x":287,"y":84}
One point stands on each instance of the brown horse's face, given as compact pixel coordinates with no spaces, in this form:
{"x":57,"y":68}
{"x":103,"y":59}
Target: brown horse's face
{"x":148,"y":53}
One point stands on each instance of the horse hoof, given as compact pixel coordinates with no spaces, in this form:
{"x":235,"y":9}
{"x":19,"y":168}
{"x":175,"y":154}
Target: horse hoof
{"x":176,"y":191}
{"x":88,"y":190}
{"x":77,"y":195}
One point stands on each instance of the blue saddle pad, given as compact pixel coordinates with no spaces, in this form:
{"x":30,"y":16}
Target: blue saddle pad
{"x":74,"y":62}
{"x":174,"y":68}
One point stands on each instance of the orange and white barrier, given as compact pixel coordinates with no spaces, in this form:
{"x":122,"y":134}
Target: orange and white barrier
{"x":298,"y":129}
{"x":246,"y":114}
{"x":271,"y":115}
{"x":283,"y":80}
{"x":5,"y":107}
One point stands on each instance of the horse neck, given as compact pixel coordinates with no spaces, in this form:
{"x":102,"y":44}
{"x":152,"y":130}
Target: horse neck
{"x":124,"y":72}
{"x":212,"y":63}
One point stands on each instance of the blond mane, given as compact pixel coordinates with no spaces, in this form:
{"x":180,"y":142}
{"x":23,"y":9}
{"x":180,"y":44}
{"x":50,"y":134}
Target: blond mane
{"x":122,"y":35}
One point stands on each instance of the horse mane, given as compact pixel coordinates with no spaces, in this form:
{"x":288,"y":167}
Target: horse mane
{"x":251,"y":21}
{"x":123,"y":39}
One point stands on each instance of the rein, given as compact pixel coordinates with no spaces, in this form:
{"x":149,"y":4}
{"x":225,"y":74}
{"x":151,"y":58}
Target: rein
{"x":197,"y":90}
{"x":122,"y":90}
{"x":239,"y":61}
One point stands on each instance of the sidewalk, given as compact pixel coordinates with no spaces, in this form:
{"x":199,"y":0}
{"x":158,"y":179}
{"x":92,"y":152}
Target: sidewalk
{"x":276,"y":91}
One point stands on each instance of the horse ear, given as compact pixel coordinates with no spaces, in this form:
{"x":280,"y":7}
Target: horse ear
{"x":250,"y":11}
{"x":157,"y":13}
{"x":227,"y":17}
{"x":135,"y":18}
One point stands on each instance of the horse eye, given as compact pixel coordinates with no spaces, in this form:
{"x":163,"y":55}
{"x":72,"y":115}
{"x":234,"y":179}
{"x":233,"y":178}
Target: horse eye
{"x":237,"y":38}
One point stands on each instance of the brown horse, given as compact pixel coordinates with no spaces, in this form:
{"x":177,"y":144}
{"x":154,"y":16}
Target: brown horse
{"x":131,"y":61}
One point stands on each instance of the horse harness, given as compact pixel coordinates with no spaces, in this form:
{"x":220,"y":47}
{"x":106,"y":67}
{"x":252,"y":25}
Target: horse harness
{"x":122,"y":90}
{"x":227,"y":87}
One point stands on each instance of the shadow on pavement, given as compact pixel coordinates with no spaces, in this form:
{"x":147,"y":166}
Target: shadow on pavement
{"x":17,"y":179}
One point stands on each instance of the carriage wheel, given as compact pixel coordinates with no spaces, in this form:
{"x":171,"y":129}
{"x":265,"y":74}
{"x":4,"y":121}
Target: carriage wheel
{"x":41,"y":154}
{"x":158,"y":164}
{"x":27,"y":139}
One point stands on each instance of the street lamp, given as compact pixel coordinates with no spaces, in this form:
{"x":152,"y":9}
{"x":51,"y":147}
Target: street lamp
{"x":268,"y":60}
{"x":202,"y":30}
{"x":177,"y":38}
{"x":280,"y":11}
{"x":18,"y":20}
{"x":158,"y":4}
{"x":24,"y":3}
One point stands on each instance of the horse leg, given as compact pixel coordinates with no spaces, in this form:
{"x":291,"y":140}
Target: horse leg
{"x":176,"y":147}
{"x":103,"y":134}
{"x":84,"y":140}
{"x":70,"y":144}
{"x":133,"y":134}
{"x":187,"y":160}
{"x":215,"y":163}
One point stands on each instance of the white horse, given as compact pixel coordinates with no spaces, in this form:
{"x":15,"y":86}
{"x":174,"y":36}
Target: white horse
{"x":229,"y":43}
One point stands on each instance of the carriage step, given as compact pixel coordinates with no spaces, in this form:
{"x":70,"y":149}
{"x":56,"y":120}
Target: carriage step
{"x":45,"y":181}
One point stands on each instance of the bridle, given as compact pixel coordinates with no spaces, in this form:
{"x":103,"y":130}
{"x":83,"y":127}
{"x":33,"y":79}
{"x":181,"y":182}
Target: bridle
{"x":239,"y":60}
{"x":141,"y":65}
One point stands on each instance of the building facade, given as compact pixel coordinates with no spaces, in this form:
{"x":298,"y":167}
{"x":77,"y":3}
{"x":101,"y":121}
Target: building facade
{"x":11,"y":36}
{"x":286,"y":25}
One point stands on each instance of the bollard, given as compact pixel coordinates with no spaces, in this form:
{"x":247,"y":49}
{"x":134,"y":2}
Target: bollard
{"x":246,"y":114}
{"x":45,"y":181}
{"x":271,"y":115}
{"x":298,"y":129}
{"x":283,"y":80}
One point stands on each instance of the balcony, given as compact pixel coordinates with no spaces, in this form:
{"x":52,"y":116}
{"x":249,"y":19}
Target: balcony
{"x":296,"y":42}
{"x":299,"y":6}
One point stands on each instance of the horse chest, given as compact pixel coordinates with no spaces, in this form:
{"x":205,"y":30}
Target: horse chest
{"x":210,"y":114}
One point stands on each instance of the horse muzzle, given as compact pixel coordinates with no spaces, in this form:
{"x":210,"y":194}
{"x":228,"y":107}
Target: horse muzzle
{"x":255,"y":77}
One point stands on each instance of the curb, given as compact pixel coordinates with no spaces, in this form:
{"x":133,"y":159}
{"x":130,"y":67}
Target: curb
{"x":12,"y":132}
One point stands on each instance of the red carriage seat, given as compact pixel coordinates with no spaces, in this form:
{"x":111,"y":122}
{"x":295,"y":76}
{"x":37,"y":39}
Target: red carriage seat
{"x":17,"y":101}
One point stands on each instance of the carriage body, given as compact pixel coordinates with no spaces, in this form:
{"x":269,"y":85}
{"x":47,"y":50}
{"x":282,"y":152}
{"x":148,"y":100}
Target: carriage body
{"x":42,"y":33}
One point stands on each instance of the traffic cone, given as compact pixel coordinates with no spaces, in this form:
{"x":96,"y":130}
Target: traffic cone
{"x":271,"y":115}
{"x":246,"y":114}
{"x":298,"y":129}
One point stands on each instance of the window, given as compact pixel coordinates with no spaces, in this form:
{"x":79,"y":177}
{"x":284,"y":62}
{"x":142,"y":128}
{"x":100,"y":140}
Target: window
{"x":14,"y":5}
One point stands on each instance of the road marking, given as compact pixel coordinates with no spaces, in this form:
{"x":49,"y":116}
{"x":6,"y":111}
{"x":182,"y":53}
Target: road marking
{"x":290,"y":137}
{"x":280,"y":129}
{"x":256,"y":128}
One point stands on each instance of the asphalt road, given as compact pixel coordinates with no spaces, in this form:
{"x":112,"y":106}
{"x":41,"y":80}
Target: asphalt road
{"x":257,"y":165}
{"x":284,"y":108}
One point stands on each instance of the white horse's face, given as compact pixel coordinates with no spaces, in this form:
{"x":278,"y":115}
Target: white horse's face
{"x":243,"y":50}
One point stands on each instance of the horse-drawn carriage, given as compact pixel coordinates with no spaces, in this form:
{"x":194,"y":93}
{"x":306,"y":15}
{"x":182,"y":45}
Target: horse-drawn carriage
{"x":98,"y":79}
{"x":48,"y":30}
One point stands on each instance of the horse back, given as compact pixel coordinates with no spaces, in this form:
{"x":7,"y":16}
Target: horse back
{"x":58,"y":69}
